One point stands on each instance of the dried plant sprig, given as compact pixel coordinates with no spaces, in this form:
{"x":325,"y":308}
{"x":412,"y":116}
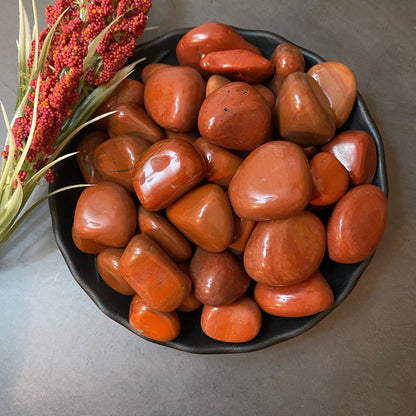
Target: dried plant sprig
{"x":65,"y":73}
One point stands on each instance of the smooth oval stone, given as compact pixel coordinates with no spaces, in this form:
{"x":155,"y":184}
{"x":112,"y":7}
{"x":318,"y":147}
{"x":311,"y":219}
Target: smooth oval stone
{"x":108,"y":262}
{"x":157,"y":227}
{"x":235,"y":116}
{"x":311,"y":151}
{"x":357,"y":224}
{"x":303,"y":113}
{"x":218,"y":278}
{"x":85,"y":151}
{"x":154,"y":275}
{"x":306,"y":298}
{"x":159,"y":326}
{"x":221,"y":164}
{"x":190,"y":304}
{"x":86,"y":245}
{"x":133,"y":120}
{"x":168,"y":170}
{"x":239,"y":321}
{"x":287,"y":59}
{"x":206,"y":38}
{"x":173,"y":96}
{"x":330,"y":179}
{"x":242,"y":232}
{"x":215,"y":81}
{"x":149,"y":69}
{"x":115,"y":159}
{"x":287,"y":251}
{"x":106,"y":213}
{"x":238,"y":65}
{"x":274,"y":181}
{"x":357,"y":152}
{"x":205,"y":217}
{"x":129,"y":91}
{"x":339,"y":85}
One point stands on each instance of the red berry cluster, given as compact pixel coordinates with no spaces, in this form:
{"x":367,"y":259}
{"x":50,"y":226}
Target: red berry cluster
{"x":63,"y":78}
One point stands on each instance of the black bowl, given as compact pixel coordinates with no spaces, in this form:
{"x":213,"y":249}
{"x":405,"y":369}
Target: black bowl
{"x":342,"y":278}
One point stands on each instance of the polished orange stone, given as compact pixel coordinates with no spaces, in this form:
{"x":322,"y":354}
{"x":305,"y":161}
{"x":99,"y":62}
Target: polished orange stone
{"x":159,"y":326}
{"x":287,"y":251}
{"x":190,"y":304}
{"x":303,"y":112}
{"x":168,"y":170}
{"x":238,"y":65}
{"x":133,"y":120}
{"x":330,"y":179}
{"x":108,"y":262}
{"x":235,"y":116}
{"x":306,"y":298}
{"x":357,"y":223}
{"x":157,"y":227}
{"x":239,"y":321}
{"x":85,"y":150}
{"x":205,"y":217}
{"x":287,"y":59}
{"x":357,"y":152}
{"x":274,"y":181}
{"x":340,"y":86}
{"x":115,"y":159}
{"x":218,"y":278}
{"x":106,"y":213}
{"x":154,"y":275}
{"x":129,"y":91}
{"x":173,"y":96}
{"x":221,"y":163}
{"x":206,"y":38}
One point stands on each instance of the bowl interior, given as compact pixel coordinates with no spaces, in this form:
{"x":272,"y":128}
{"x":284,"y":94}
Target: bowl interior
{"x":342,"y":278}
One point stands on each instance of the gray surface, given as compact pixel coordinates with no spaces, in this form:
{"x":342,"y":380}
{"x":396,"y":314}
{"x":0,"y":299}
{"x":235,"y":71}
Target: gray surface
{"x":59,"y":355}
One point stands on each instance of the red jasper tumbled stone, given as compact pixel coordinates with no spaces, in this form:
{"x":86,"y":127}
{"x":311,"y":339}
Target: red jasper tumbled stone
{"x":287,"y":58}
{"x":274,"y":181}
{"x":239,"y":321}
{"x":357,"y":224}
{"x":106,"y":213}
{"x":108,"y":262}
{"x":303,"y":114}
{"x":166,"y":171}
{"x":330,"y":179}
{"x":238,"y":65}
{"x":235,"y":116}
{"x":306,"y":298}
{"x":287,"y":251}
{"x":356,"y":150}
{"x":218,"y":278}
{"x":133,"y":120}
{"x":160,"y":326}
{"x":205,"y":217}
{"x":154,"y":275}
{"x":157,"y":227}
{"x":173,"y":96}
{"x":115,"y":159}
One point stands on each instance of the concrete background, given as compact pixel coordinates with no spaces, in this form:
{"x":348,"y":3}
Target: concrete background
{"x":59,"y":355}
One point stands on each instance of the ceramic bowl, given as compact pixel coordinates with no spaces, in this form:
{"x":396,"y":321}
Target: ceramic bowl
{"x":342,"y":278}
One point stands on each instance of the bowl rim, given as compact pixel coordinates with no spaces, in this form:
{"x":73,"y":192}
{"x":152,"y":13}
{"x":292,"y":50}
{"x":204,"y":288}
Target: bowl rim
{"x":225,"y":348}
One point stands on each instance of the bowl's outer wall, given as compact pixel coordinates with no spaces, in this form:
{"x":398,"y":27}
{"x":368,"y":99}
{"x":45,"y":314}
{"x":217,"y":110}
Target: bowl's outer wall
{"x":342,"y":278}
